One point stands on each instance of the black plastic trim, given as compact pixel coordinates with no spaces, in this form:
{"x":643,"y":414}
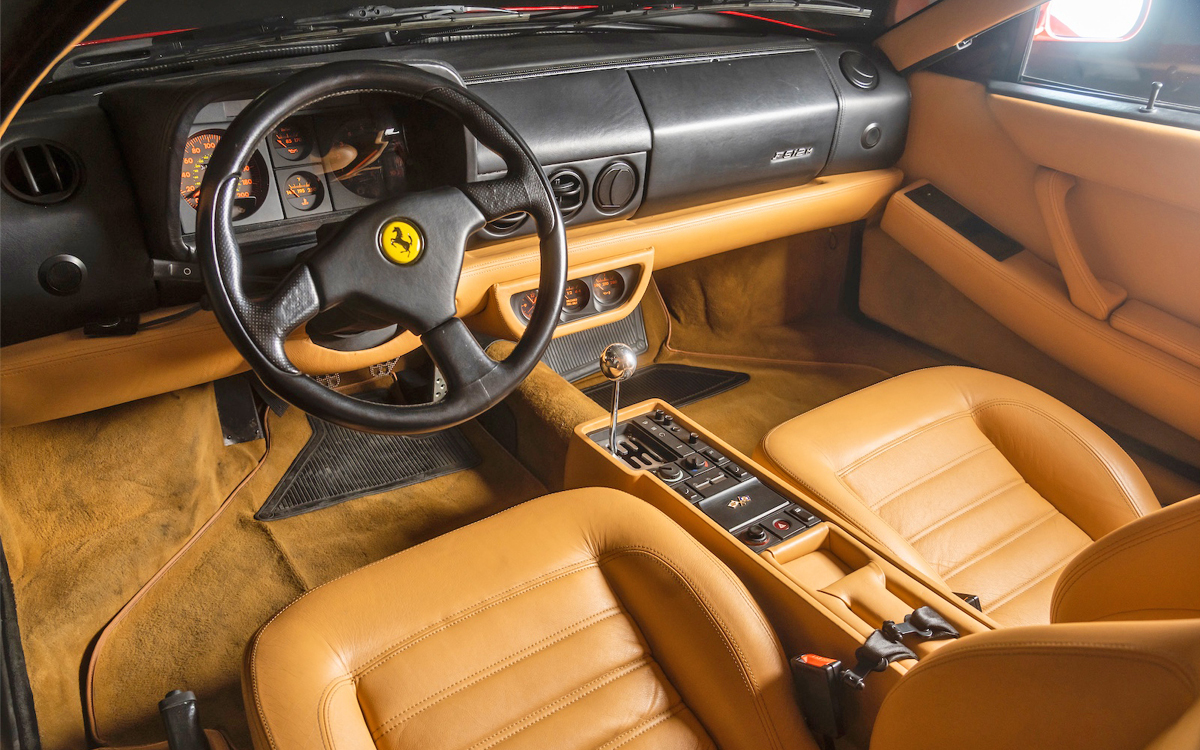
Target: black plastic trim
{"x":954,"y":215}
{"x":18,"y":721}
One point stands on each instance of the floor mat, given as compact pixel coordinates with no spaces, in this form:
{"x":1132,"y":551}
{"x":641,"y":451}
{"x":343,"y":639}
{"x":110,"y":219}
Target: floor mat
{"x":189,"y":630}
{"x":337,"y":465}
{"x":676,"y":384}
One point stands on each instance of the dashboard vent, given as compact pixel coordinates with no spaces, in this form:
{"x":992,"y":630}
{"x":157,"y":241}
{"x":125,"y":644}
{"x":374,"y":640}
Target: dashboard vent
{"x":506,"y":225}
{"x":38,"y":171}
{"x":568,"y":187}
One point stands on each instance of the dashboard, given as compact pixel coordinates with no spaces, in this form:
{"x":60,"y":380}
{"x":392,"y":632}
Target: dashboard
{"x":628,"y":126}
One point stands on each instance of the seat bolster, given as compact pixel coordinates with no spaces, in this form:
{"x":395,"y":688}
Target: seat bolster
{"x":1149,"y":569}
{"x":1093,"y":686}
{"x":1069,"y":461}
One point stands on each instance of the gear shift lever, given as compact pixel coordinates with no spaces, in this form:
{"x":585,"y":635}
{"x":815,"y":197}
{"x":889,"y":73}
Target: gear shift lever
{"x":618,"y":362}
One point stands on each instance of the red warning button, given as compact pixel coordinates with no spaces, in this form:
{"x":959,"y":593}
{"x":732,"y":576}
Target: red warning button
{"x":782,"y":524}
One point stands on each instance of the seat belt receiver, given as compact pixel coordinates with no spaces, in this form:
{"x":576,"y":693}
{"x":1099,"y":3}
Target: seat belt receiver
{"x":816,"y":679}
{"x":924,"y":623}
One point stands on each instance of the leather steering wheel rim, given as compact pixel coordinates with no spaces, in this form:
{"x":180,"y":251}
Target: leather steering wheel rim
{"x":343,"y":269}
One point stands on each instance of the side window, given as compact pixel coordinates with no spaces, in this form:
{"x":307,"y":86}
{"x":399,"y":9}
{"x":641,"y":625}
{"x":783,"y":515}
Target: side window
{"x":1119,"y":49}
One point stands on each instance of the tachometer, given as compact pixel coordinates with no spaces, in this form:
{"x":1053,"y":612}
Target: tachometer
{"x":369,"y":158}
{"x":251,"y":187}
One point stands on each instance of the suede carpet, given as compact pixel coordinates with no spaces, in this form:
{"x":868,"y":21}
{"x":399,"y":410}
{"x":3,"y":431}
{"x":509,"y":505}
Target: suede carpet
{"x":120,"y":502}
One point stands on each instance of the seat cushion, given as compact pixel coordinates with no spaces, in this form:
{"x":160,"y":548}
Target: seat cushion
{"x":973,"y":478}
{"x":584,"y":619}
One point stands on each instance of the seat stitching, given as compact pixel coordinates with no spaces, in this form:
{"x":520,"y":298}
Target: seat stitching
{"x":939,"y":523}
{"x":465,"y":614}
{"x":642,"y":727}
{"x":931,"y":474}
{"x":732,"y":647}
{"x":999,"y":544}
{"x":1088,"y":447}
{"x":1012,"y":594}
{"x":326,"y":703}
{"x":1134,"y":540}
{"x":880,"y":450}
{"x":598,"y":683}
{"x":551,"y":640}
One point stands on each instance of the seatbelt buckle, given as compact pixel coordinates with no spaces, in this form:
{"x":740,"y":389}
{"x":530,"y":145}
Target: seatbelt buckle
{"x":818,"y":686}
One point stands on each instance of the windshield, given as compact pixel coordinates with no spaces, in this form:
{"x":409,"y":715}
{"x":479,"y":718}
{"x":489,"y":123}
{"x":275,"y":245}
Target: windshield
{"x":146,"y":18}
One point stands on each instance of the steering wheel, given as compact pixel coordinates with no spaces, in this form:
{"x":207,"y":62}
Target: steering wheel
{"x":398,"y":260}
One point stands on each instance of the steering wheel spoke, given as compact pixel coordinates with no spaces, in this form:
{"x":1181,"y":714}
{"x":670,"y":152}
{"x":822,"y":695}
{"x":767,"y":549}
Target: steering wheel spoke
{"x":458,"y":355}
{"x":499,"y":197}
{"x":293,"y":303}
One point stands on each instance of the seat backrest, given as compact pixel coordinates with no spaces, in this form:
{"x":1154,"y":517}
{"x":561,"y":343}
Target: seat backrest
{"x":1148,"y":569}
{"x":1099,"y":686}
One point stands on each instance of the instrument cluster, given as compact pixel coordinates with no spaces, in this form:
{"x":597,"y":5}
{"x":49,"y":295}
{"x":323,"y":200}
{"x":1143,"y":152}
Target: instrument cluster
{"x":315,"y":162}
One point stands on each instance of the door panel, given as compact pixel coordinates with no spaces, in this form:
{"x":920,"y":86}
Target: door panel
{"x":1132,"y":211}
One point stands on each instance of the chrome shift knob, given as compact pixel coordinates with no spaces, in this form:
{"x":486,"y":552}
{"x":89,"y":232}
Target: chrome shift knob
{"x":617,"y":362}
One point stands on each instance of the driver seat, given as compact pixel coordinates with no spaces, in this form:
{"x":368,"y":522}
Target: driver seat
{"x":585,"y":619}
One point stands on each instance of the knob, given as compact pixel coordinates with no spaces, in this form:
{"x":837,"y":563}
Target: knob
{"x":693,"y":438}
{"x":756,"y":534}
{"x":670,"y":473}
{"x":617,"y":362}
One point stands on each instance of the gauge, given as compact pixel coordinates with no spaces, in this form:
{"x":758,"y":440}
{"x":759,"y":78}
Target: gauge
{"x":526,"y":302}
{"x":251,"y":187}
{"x":369,"y":158}
{"x":291,"y":140}
{"x":303,"y":191}
{"x":575,"y":298}
{"x":608,"y":287}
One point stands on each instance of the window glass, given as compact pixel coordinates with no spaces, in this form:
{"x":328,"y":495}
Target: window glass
{"x":1119,"y":48}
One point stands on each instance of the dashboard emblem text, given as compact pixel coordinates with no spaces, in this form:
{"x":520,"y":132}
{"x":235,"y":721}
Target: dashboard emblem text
{"x":401,"y":242}
{"x":799,"y":152}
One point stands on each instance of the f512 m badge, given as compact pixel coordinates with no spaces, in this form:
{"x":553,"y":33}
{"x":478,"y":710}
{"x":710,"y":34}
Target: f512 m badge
{"x":799,"y":152}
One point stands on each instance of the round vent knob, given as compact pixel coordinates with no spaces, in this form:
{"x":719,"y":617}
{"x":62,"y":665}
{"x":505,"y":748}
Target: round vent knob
{"x":568,"y":187}
{"x":40,"y":171}
{"x":859,"y":70}
{"x":615,"y":186}
{"x":506,"y":224}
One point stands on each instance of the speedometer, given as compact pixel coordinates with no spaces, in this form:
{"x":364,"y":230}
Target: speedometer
{"x":251,"y":187}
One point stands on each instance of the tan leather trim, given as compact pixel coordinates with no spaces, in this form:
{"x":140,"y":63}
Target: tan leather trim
{"x":1157,"y":161}
{"x":66,"y":374}
{"x":498,"y":319}
{"x":1084,"y":685}
{"x":1148,"y":569}
{"x":1095,"y":297}
{"x":1030,"y":298}
{"x":1159,"y":329}
{"x":943,"y":25}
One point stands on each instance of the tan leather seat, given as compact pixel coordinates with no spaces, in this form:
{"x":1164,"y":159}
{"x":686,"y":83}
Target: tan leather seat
{"x":585,"y":619}
{"x":973,"y":478}
{"x":1123,"y":671}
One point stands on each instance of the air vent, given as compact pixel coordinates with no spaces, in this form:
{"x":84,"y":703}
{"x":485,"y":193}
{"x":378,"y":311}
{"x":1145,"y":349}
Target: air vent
{"x":38,"y":171}
{"x":568,"y":187}
{"x":506,"y":225}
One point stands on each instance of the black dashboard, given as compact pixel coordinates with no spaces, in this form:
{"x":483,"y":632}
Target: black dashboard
{"x":631,"y":125}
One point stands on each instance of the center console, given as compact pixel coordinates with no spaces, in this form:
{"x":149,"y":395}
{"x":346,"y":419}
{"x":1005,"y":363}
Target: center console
{"x":828,"y":591}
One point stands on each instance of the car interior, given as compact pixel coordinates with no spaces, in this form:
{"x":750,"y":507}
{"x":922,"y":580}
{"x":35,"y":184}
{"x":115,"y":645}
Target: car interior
{"x":720,"y":374}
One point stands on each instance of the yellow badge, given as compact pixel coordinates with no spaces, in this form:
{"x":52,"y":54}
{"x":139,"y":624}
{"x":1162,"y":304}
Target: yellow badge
{"x":401,"y":242}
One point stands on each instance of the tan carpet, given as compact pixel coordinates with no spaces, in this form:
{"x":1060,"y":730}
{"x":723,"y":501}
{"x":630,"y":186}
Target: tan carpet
{"x":90,"y":507}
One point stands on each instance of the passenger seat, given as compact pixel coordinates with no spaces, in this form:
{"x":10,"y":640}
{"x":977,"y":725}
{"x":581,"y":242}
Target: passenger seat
{"x":975,"y":479}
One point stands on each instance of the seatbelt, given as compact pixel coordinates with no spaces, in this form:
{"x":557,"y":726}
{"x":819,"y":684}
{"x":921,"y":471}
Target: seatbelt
{"x":819,"y":679}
